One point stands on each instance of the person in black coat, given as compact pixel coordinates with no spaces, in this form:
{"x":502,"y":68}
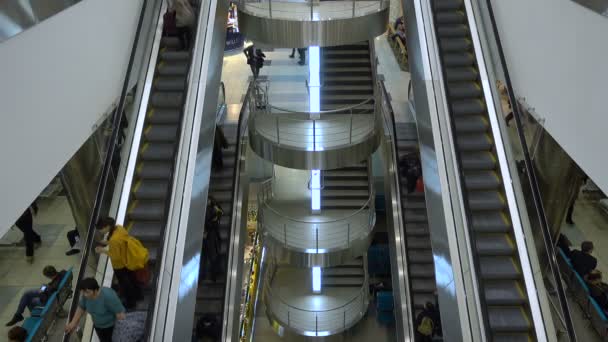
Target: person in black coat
{"x":255,"y":59}
{"x":25,"y":223}
{"x":582,"y":261}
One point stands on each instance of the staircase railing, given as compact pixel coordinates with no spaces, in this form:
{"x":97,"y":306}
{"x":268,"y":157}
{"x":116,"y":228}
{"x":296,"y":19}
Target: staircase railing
{"x":317,"y":322}
{"x":329,"y":235}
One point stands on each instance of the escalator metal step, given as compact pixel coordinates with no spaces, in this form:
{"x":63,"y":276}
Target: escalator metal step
{"x":169,"y":55}
{"x":481,"y":180}
{"x":471,"y":124}
{"x":151,"y":190}
{"x":455,"y":44}
{"x":413,"y":229}
{"x":442,"y":5}
{"x":164,"y":116}
{"x":498,"y":268}
{"x":468,"y":107}
{"x":459,"y":59}
{"x":423,"y":284}
{"x":420,"y":256}
{"x":504,"y":292}
{"x":508,"y":319}
{"x":450,"y":18}
{"x":146,"y":231}
{"x":161,"y":133}
{"x":422,"y":271}
{"x":491,"y":222}
{"x":494,"y":244}
{"x":154,"y":170}
{"x":147,"y":210}
{"x":478,"y":161}
{"x":511,"y":337}
{"x":169,"y":43}
{"x":166,"y":99}
{"x":474,"y":142}
{"x":418,"y":243}
{"x":170,"y":83}
{"x":486,"y":200}
{"x":172,"y":69}
{"x":453,"y":31}
{"x":157,"y":151}
{"x":464,"y":90}
{"x":466,"y":74}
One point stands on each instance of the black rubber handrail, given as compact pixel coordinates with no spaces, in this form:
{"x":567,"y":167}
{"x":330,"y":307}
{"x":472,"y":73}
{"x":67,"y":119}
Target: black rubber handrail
{"x":533,"y":181}
{"x":111,"y":147}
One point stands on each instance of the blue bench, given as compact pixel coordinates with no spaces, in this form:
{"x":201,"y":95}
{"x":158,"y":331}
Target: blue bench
{"x":42,"y":317}
{"x":581,"y":294}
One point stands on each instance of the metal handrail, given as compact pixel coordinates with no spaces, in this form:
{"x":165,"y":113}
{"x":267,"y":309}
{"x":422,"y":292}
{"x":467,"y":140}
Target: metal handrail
{"x":533,"y":182}
{"x":267,"y":187}
{"x":380,"y":4}
{"x":371,"y":98}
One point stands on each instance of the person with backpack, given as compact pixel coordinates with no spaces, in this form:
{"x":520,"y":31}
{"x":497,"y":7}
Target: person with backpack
{"x":128,"y":256}
{"x":427,"y":323}
{"x":410,"y":168}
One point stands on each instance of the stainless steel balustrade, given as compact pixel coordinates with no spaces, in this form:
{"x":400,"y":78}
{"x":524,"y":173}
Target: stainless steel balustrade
{"x":314,"y":237}
{"x":311,"y":10}
{"x":315,"y":322}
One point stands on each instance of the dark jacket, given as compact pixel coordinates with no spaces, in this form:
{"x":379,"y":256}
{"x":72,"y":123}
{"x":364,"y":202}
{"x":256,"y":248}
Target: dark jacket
{"x":583,"y":263}
{"x":52,"y":286}
{"x":600,"y":294}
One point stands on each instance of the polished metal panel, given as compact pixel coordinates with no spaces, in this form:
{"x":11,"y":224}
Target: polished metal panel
{"x":17,"y":16}
{"x":598,"y":6}
{"x":443,"y":208}
{"x":194,"y":167}
{"x":283,"y":33}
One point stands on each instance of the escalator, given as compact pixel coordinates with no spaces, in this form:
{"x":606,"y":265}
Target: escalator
{"x":504,"y":301}
{"x":146,"y":217}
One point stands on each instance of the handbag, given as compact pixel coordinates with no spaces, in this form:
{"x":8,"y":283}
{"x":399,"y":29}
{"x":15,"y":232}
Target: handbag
{"x":143,"y":275}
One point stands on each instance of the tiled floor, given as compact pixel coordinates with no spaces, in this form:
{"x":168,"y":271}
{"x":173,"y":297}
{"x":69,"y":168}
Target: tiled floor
{"x":53,"y":221}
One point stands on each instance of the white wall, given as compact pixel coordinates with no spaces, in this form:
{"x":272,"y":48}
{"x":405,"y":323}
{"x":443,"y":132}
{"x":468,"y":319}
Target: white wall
{"x":557,"y":53}
{"x":56,"y":81}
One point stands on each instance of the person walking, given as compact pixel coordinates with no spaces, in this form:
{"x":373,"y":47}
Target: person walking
{"x":251,"y":60}
{"x":25,"y":223}
{"x":302,"y":56}
{"x":293,"y":53}
{"x":102,"y":304}
{"x":38,"y":297}
{"x":184,"y":22}
{"x":211,"y":237}
{"x":127,"y":254}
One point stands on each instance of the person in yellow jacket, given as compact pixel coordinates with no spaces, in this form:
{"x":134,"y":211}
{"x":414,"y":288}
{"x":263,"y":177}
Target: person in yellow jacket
{"x":127,"y":255}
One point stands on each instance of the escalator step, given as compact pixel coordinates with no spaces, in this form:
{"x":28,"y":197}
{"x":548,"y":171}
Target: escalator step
{"x":146,"y":231}
{"x":151,"y":190}
{"x":157,"y":151}
{"x":420,"y":299}
{"x":458,"y":59}
{"x":154,"y":170}
{"x":486,"y":200}
{"x":172,"y":69}
{"x":467,"y":74}
{"x":474,"y":142}
{"x":511,"y":337}
{"x":161,"y":133}
{"x":491,"y":222}
{"x":450,"y":18}
{"x":164,"y":116}
{"x":471,"y":124}
{"x":166,"y":99}
{"x":420,"y":256}
{"x":455,"y":44}
{"x":169,"y":55}
{"x":498,"y":268}
{"x":419,"y":243}
{"x":422,"y":271}
{"x":503,"y":292}
{"x":508,"y":319}
{"x":413,"y":229}
{"x":170,"y":83}
{"x":494,"y":244}
{"x":453,"y":31}
{"x":442,"y":5}
{"x":464,"y":90}
{"x":147,"y":210}
{"x":482,"y":180}
{"x":423,"y":285}
{"x":468,"y":107}
{"x":169,"y":43}
{"x":478,"y":161}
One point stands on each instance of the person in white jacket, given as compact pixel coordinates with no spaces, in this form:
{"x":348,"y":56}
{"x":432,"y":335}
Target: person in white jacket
{"x":184,"y":22}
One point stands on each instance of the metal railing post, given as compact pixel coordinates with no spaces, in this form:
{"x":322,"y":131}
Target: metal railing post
{"x":278,"y":137}
{"x":350,"y":137}
{"x":348,"y":236}
{"x":344,"y":320}
{"x":288,"y":319}
{"x":285,"y":234}
{"x":353,"y":8}
{"x":270,"y":8}
{"x":316,"y":325}
{"x":311,"y":10}
{"x":314,"y":135}
{"x":317,"y":233}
